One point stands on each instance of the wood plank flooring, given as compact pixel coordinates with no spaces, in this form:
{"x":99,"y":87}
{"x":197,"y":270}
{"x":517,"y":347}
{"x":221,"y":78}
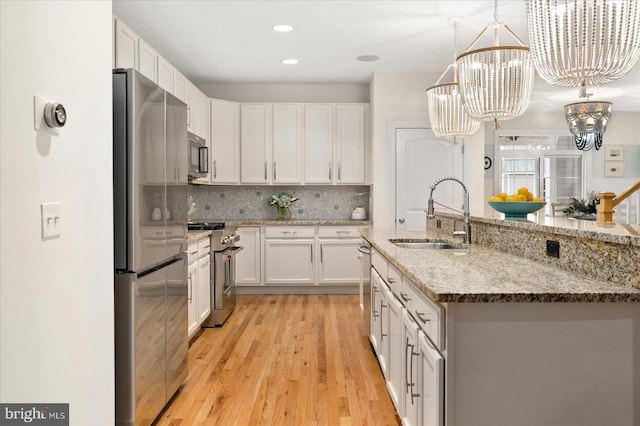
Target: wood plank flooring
{"x":284,"y":360}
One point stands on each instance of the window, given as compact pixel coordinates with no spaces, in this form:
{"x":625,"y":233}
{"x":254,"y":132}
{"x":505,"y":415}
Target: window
{"x":550,"y":166}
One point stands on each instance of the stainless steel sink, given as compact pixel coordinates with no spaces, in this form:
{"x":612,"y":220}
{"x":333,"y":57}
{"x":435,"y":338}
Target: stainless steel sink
{"x":423,"y":244}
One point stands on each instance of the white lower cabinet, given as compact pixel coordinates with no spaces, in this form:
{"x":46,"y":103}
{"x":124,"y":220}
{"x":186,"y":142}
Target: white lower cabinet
{"x":395,"y":353}
{"x":339,"y":262}
{"x":430,"y":383}
{"x":198,"y":283}
{"x":248,"y":265}
{"x":383,"y":308}
{"x":289,"y":261}
{"x":410,"y":411}
{"x":376,"y":320}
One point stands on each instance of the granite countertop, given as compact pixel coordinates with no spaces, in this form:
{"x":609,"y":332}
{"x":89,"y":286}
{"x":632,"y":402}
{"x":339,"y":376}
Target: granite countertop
{"x":298,"y":222}
{"x":193,"y":236}
{"x":482,"y":274}
{"x":608,"y":232}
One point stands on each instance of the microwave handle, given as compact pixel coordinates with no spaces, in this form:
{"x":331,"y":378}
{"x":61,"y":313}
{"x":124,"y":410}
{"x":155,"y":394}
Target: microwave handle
{"x":204,"y":159}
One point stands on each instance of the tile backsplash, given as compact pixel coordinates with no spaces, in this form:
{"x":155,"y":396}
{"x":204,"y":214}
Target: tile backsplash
{"x":249,"y":202}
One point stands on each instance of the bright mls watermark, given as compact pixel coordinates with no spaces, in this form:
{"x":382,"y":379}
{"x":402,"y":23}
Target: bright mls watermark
{"x":34,"y":414}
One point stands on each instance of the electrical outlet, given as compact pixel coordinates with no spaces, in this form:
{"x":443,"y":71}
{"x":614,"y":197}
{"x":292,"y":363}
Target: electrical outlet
{"x":51,"y":220}
{"x":553,"y":248}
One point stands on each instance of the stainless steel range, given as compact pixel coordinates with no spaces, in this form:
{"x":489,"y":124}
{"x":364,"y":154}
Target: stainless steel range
{"x":223,"y":270}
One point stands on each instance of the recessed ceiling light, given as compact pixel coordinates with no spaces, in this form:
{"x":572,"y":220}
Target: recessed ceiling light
{"x":282,"y":28}
{"x":368,"y":58}
{"x":289,"y":61}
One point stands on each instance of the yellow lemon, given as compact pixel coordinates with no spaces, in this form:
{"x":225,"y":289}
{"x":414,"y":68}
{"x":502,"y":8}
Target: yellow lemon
{"x":530,"y":197}
{"x":511,"y":199}
{"x":537,"y":200}
{"x":523,"y":190}
{"x":521,"y":197}
{"x":502,"y":195}
{"x":496,"y":199}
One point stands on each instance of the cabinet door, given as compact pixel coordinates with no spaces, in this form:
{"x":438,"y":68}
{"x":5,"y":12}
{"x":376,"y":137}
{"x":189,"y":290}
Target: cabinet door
{"x":376,"y":323}
{"x":192,"y":297}
{"x":395,"y":354}
{"x":201,"y":114}
{"x":126,"y":46}
{"x":287,"y":143}
{"x":350,"y":143}
{"x":190,"y":100}
{"x":318,"y":143}
{"x":430,"y":383}
{"x":289,"y":262}
{"x":225,"y":142}
{"x":410,"y":369}
{"x":383,"y":355}
{"x":165,"y":75}
{"x":248,"y":263}
{"x":179,"y":85}
{"x":255,"y":142}
{"x":204,"y":288}
{"x":339,"y":262}
{"x":147,"y":61}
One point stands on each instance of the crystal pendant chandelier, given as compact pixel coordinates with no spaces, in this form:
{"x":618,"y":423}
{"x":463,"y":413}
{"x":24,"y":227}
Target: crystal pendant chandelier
{"x":587,"y":120}
{"x":447,"y":115}
{"x":497,"y":81}
{"x":572,"y":41}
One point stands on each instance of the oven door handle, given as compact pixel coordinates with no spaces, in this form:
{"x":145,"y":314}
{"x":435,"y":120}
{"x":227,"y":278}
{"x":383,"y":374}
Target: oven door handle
{"x":232,"y":251}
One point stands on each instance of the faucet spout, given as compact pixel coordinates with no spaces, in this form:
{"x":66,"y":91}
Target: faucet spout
{"x":431,"y":212}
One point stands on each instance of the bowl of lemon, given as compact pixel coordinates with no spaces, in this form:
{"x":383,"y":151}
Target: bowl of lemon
{"x":518,"y":205}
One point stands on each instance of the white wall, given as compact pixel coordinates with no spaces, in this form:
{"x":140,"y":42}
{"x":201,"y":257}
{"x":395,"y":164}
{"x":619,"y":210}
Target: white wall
{"x":56,"y":296}
{"x":398,"y":97}
{"x":288,"y":92}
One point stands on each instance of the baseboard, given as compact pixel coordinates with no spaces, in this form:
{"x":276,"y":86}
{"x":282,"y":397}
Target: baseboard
{"x":288,"y":289}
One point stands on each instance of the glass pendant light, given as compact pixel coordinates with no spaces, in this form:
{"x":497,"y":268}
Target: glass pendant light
{"x":588,"y":120}
{"x":497,"y":81}
{"x":447,"y":115}
{"x":595,"y":41}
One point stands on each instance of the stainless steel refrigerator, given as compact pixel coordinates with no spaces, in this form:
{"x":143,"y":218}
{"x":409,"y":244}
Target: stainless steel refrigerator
{"x":150,"y":226}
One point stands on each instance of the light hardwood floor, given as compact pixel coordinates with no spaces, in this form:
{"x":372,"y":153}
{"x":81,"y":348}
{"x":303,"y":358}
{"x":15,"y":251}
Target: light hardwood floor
{"x":284,"y":360}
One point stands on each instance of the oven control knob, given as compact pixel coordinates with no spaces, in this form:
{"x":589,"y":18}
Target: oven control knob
{"x":236,"y":237}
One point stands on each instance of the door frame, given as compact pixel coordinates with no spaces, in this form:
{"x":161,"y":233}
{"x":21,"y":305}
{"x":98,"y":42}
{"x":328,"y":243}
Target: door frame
{"x":393,"y":127}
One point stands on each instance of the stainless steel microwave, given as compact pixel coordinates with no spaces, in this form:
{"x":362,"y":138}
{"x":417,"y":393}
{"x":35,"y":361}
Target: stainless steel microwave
{"x":198,"y":157}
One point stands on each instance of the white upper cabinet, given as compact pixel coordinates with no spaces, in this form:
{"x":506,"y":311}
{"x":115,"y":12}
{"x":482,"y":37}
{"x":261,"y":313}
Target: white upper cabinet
{"x":225,"y":142}
{"x":318,"y":143}
{"x":190,"y":100}
{"x":350,"y":143}
{"x":179,"y":85}
{"x":287,"y":143}
{"x":147,"y":61}
{"x":125,"y":46}
{"x":255,"y":136}
{"x":165,"y":75}
{"x":203,"y":118}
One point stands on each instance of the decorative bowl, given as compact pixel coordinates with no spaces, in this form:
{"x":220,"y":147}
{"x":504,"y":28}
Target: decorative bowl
{"x":516,"y":209}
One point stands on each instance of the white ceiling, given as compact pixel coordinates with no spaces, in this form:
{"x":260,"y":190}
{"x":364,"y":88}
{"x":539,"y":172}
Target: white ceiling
{"x":232,"y":41}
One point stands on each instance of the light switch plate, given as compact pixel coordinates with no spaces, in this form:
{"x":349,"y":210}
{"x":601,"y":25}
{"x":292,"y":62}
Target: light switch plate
{"x":51,"y":220}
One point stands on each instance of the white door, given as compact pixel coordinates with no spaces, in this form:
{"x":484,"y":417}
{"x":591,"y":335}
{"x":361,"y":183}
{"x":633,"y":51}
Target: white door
{"x":248,"y":260}
{"x":421,"y":159}
{"x":287,"y":143}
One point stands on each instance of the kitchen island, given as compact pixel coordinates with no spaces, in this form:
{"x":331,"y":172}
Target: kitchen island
{"x":525,"y":341}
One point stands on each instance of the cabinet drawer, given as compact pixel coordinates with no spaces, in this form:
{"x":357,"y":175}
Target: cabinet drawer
{"x":204,"y":246}
{"x":380,"y":263}
{"x":192,"y":252}
{"x":394,"y":279}
{"x":338,"y":232}
{"x":428,"y":314}
{"x":290,"y":232}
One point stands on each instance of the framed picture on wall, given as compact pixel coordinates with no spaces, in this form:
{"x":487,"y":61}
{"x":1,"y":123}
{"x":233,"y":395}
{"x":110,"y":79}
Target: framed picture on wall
{"x":614,"y":168}
{"x":614,"y":153}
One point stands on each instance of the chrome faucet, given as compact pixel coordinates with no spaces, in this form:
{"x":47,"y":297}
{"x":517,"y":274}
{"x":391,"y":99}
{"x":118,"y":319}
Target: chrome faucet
{"x":431,"y":213}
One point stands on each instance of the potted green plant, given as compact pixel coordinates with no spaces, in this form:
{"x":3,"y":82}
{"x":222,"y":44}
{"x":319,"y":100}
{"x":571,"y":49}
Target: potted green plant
{"x":282,"y":203}
{"x":580,"y":208}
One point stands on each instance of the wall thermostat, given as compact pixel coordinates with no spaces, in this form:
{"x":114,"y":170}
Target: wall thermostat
{"x":55,"y":115}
